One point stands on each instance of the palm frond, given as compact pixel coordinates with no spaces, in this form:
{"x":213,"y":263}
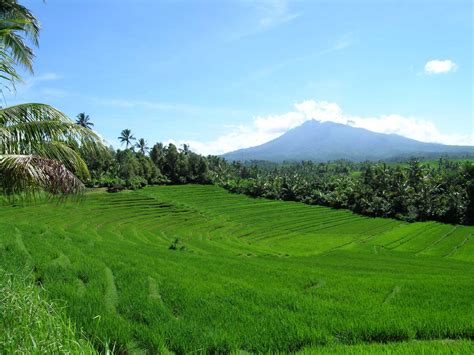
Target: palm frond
{"x":12,"y":12}
{"x":38,"y":141}
{"x":8,"y":72}
{"x":31,"y":174}
{"x":17,"y":26}
{"x":66,"y":155}
{"x":39,"y":122}
{"x":21,"y":53}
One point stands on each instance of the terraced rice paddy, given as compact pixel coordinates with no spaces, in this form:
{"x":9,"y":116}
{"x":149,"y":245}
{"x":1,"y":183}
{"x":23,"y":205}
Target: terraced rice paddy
{"x":245,"y":274}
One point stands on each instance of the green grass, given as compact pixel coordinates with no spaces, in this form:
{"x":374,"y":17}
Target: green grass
{"x":30,"y":324}
{"x":245,"y":274}
{"x":411,"y":347}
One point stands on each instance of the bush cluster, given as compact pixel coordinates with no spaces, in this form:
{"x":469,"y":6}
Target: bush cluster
{"x":127,"y":169}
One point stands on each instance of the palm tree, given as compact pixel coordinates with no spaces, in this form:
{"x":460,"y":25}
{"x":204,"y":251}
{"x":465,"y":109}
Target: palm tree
{"x":185,"y":149}
{"x":126,"y":137}
{"x":17,"y":24}
{"x":39,"y":150}
{"x":84,"y":120}
{"x":38,"y":144}
{"x":142,"y":146}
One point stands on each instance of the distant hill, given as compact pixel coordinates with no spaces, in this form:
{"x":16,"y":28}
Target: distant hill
{"x":323,"y":141}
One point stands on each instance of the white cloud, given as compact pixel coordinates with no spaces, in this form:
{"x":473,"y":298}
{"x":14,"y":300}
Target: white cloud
{"x":266,"y":128}
{"x":239,"y":137}
{"x":440,"y":66}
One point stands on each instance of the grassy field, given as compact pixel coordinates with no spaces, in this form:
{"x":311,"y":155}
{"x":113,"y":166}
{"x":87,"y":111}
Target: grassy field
{"x":195,"y":268}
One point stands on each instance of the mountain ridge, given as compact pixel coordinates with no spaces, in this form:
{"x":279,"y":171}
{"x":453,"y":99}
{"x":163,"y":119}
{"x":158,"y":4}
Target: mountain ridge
{"x":324,"y":141}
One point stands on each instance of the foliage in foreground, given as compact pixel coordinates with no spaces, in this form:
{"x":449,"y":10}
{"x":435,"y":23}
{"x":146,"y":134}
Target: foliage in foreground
{"x":30,"y":324}
{"x":38,"y":144}
{"x":39,"y":150}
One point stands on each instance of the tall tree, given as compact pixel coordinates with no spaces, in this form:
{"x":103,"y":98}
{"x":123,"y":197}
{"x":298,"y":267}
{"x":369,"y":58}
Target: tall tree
{"x":142,"y":146}
{"x":171,"y":163}
{"x":157,"y":155}
{"x":185,"y":149}
{"x":126,"y":137}
{"x":84,"y":120}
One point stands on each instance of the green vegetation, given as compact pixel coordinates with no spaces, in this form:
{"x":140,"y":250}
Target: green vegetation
{"x":40,"y":150}
{"x":136,"y":169}
{"x":411,"y":347}
{"x":84,"y":120}
{"x":192,"y":268}
{"x":39,"y":145}
{"x":195,"y":268}
{"x":441,"y":191}
{"x":30,"y":324}
{"x":416,"y":192}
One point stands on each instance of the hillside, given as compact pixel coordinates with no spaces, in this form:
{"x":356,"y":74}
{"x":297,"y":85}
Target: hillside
{"x":324,"y":141}
{"x":193,"y":268}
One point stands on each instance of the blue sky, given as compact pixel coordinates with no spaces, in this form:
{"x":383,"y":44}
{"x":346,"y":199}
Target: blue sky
{"x":222,"y":75}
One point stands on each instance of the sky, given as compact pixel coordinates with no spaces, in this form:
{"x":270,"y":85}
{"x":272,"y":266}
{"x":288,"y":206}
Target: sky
{"x":227,"y":74}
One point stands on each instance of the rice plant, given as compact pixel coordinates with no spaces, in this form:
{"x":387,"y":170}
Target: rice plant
{"x":194,"y":268}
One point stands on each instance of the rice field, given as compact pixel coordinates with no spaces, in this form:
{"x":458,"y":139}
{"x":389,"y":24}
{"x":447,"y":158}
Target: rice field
{"x":196,"y":269}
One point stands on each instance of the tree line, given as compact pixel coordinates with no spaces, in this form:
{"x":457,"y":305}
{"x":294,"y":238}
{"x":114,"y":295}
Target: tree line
{"x":137,"y":165}
{"x":441,"y":191}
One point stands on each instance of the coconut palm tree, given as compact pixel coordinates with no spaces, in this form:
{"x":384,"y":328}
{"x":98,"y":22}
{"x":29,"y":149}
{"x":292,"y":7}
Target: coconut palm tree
{"x":126,"y":137}
{"x":142,"y":146}
{"x":38,"y":144}
{"x":39,"y":150}
{"x":84,"y":120}
{"x":17,"y":26}
{"x":185,"y":149}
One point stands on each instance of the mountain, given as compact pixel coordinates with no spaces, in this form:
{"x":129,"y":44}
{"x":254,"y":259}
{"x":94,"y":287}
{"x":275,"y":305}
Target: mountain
{"x":323,"y":141}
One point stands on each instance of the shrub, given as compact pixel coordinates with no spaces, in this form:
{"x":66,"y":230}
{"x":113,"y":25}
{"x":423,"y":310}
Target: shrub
{"x":177,"y":244}
{"x":135,"y":183}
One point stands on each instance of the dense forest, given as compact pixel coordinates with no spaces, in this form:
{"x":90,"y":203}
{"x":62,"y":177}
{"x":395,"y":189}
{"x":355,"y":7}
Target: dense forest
{"x":411,"y":191}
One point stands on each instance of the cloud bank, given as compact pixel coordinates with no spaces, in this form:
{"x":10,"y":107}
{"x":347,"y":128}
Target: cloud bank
{"x":266,"y":128}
